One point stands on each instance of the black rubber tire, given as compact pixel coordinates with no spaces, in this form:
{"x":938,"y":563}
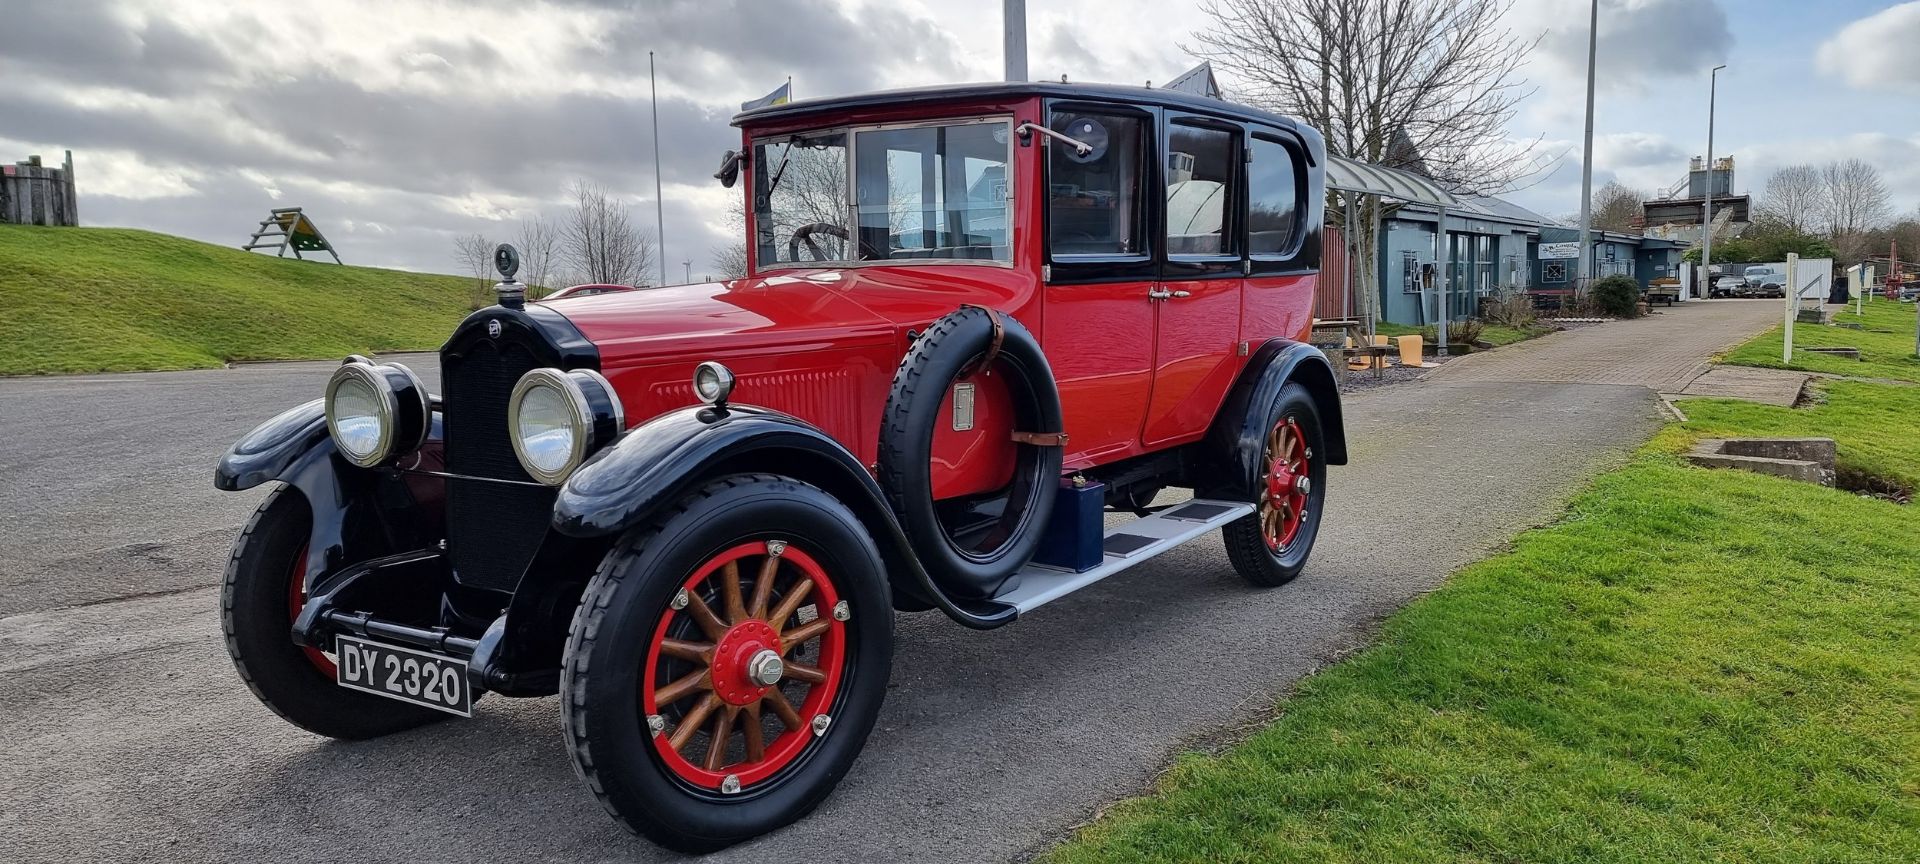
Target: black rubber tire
{"x":939,"y":357}
{"x":1246,"y":548}
{"x":608,"y":643}
{"x":255,"y":616}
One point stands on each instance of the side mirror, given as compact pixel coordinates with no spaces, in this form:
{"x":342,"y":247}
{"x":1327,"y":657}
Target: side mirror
{"x":729,"y":172}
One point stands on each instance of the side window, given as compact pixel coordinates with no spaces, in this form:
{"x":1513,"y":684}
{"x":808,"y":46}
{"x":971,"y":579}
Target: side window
{"x":1273,"y":198}
{"x":1200,"y":162}
{"x":1094,"y":205}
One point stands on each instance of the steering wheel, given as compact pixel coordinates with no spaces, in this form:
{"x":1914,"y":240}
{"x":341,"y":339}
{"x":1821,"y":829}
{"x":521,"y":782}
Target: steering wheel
{"x":804,"y":234}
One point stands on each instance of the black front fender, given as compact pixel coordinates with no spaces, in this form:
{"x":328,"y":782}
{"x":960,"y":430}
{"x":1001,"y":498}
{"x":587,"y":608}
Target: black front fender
{"x":654,"y":464}
{"x":348,"y":519}
{"x":272,"y":447}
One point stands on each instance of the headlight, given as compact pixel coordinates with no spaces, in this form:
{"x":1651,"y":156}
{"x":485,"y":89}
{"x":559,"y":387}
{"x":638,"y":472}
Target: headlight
{"x":712,"y":382}
{"x":376,"y":411}
{"x":557,"y":419}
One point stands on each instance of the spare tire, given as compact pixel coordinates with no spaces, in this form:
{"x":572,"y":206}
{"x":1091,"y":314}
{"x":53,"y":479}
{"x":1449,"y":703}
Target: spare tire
{"x":972,"y":560}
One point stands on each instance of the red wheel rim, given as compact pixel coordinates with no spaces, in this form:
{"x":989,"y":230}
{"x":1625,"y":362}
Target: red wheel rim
{"x":1287,"y":485}
{"x":296,"y":599}
{"x":701,"y":691}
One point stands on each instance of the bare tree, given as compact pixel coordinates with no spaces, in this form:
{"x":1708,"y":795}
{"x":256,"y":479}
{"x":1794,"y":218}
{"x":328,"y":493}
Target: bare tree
{"x":599,"y":242}
{"x":539,"y":244}
{"x":1616,"y":207}
{"x":475,"y":254}
{"x":1856,"y":199}
{"x":1425,"y":85}
{"x":1796,"y":196}
{"x":1422,"y":85}
{"x":731,"y":260}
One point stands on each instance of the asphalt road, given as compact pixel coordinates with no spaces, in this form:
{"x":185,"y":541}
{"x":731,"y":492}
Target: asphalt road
{"x":129,"y":738}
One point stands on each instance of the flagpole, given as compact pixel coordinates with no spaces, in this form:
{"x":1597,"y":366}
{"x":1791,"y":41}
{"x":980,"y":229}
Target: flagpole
{"x":659,"y":205}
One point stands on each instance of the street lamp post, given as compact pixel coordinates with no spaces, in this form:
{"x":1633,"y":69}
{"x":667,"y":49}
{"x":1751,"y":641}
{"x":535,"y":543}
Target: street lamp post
{"x":1586,"y":160}
{"x":1706,"y":212}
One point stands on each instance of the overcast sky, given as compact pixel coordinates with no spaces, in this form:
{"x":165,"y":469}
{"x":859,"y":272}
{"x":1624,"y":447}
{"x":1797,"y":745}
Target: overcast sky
{"x":400,"y":124}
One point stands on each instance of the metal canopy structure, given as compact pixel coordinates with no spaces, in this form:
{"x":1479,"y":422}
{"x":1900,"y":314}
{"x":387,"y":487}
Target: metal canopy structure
{"x":1362,"y":178}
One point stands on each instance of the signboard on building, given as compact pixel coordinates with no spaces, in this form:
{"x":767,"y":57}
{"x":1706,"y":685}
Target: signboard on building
{"x":1556,"y":251}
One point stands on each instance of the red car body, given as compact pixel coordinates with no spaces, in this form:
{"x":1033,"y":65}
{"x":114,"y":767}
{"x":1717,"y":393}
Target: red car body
{"x":822,"y":342}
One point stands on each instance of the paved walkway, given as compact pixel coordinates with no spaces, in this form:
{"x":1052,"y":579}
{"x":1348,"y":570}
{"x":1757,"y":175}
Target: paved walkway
{"x":129,"y":738}
{"x":1768,"y":386}
{"x":1665,"y":351}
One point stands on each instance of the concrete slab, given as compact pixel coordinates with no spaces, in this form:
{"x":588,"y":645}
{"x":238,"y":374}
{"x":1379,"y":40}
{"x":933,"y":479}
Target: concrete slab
{"x":1768,"y":386}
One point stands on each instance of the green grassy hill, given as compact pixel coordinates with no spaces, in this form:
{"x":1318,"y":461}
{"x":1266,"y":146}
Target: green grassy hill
{"x":114,"y":299}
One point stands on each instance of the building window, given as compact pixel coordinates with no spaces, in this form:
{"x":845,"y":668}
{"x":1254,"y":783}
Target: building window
{"x":1409,"y":273}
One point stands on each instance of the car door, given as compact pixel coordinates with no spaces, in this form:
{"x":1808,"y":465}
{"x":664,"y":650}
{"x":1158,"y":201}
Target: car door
{"x":1196,"y":304}
{"x":1099,"y":273}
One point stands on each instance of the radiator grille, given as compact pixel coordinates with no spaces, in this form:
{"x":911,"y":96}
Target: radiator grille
{"x":493,"y":529}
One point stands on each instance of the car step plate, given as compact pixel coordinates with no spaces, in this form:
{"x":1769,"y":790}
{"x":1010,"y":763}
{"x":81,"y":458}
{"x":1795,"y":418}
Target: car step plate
{"x":1127,"y":545}
{"x":408,"y":674}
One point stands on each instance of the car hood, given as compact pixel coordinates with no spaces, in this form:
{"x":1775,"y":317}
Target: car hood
{"x":793,"y":311}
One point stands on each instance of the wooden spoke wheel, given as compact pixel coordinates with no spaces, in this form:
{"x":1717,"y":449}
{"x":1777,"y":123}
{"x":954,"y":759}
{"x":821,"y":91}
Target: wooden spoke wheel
{"x":1286,"y":489}
{"x":297,"y":600}
{"x":744,"y":665}
{"x":1270,"y":546}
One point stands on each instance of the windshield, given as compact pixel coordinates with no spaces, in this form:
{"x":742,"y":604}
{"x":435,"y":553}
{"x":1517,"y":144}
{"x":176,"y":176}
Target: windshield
{"x":921,"y":192}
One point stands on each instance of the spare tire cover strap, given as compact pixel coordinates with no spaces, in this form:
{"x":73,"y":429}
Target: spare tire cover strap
{"x":999,"y":338}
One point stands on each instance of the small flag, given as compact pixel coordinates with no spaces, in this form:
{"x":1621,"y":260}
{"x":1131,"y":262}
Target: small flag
{"x":780,"y":96}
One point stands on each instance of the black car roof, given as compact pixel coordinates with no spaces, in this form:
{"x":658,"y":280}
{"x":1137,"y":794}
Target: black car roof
{"x":1001,"y":90}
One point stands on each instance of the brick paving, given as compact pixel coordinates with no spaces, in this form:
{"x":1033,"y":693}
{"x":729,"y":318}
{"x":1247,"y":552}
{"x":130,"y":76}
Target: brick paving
{"x":1665,"y":351}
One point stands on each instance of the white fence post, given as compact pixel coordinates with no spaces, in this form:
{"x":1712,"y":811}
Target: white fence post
{"x":1793,"y":305}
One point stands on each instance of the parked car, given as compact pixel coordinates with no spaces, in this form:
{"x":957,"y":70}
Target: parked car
{"x":588,"y":290}
{"x":1731,"y":286}
{"x":693,"y":511}
{"x":1772,"y":285}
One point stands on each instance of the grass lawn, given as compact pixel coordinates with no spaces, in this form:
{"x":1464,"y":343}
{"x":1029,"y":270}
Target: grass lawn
{"x":1886,"y":345}
{"x":111,"y":299}
{"x":1692,"y":665}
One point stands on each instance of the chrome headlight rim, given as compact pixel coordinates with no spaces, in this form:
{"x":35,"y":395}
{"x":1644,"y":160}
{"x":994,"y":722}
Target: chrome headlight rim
{"x":723,"y":383}
{"x":594,"y":417}
{"x":403,"y":412}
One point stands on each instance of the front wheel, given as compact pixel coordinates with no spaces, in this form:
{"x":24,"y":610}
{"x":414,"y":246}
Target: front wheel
{"x":727,"y":662}
{"x":263,"y":591}
{"x":1270,"y":547}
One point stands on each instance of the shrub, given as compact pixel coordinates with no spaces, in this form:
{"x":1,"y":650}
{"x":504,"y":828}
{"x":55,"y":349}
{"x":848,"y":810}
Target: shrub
{"x":1458,"y":332}
{"x":1512,"y":310}
{"x":1618,"y":296}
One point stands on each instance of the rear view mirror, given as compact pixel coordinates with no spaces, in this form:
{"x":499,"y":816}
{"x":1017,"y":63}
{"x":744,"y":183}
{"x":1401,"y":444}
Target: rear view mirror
{"x":729,"y":169}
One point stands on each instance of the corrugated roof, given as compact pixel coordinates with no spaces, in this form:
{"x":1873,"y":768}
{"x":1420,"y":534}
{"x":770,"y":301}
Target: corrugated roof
{"x":1349,"y":175}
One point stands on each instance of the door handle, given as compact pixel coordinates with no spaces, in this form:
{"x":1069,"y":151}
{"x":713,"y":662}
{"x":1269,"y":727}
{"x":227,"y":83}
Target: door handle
{"x":1163,"y":294}
{"x":1179,"y":294}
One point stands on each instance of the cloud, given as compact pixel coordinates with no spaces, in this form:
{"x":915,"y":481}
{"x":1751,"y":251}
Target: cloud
{"x":1639,"y":40}
{"x":1876,"y":52}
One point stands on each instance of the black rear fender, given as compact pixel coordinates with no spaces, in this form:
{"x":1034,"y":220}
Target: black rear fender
{"x":654,"y":464}
{"x":1239,"y":431}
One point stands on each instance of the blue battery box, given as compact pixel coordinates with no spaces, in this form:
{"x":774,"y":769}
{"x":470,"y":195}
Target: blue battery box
{"x":1074,"y":532}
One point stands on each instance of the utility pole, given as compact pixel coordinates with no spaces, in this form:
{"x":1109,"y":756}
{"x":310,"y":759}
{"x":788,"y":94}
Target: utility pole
{"x":1014,"y":15}
{"x":1586,"y":160}
{"x":1706,"y":211}
{"x":659,"y":205}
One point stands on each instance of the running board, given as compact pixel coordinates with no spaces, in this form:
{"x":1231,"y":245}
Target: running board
{"x":1125,"y":546}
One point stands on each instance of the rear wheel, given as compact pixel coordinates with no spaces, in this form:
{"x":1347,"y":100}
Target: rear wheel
{"x":727,"y":662}
{"x":262,"y":593}
{"x":1271,"y":546}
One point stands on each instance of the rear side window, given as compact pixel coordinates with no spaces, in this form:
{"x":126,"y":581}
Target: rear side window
{"x":1200,"y":163}
{"x":1273,"y":198}
{"x":1094,"y":206}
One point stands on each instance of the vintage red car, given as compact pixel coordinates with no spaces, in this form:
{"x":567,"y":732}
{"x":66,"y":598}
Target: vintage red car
{"x":976,"y":319}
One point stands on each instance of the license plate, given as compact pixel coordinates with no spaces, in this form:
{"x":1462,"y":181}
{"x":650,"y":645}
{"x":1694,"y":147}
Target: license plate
{"x":404,"y":674}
